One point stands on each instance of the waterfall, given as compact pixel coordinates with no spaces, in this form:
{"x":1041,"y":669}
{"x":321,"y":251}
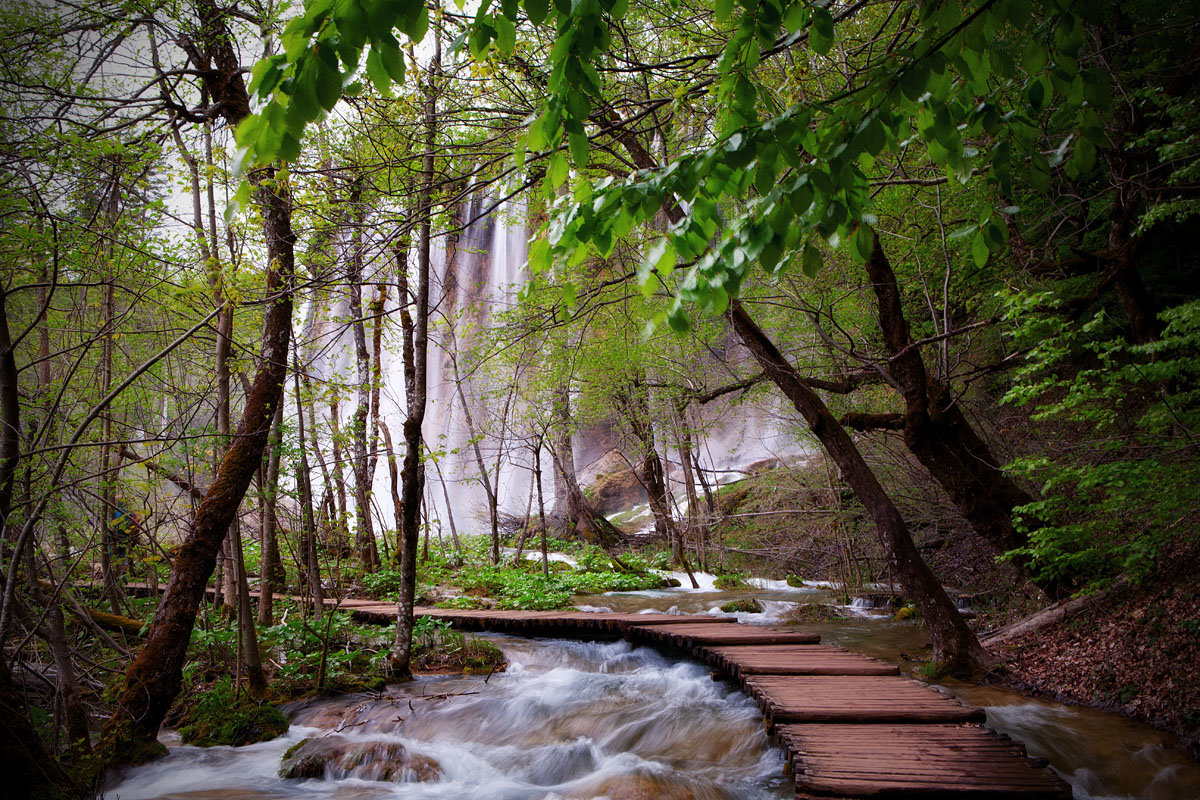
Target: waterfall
{"x":476,"y":274}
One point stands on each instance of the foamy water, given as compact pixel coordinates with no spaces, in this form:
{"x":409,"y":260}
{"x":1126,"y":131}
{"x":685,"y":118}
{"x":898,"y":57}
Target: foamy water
{"x":568,"y":720}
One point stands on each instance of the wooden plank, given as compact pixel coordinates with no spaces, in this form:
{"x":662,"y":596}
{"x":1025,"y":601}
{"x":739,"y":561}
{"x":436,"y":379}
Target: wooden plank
{"x":961,"y":761}
{"x":799,"y":659}
{"x":854,"y":698}
{"x":690,"y":634}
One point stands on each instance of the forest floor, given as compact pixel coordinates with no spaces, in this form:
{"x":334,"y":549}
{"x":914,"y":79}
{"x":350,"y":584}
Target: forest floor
{"x":1135,"y":651}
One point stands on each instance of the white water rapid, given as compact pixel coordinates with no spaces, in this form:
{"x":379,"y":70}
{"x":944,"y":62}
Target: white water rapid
{"x":569,"y":720}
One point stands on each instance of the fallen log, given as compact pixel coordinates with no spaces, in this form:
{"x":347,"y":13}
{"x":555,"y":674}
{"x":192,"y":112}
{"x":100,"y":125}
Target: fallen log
{"x":1051,"y":615}
{"x":115,"y":622}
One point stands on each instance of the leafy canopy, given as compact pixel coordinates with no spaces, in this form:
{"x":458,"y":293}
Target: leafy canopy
{"x":956,"y":73}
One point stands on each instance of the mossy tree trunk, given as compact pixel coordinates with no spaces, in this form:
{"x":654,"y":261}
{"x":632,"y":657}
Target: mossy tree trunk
{"x":154,"y":677}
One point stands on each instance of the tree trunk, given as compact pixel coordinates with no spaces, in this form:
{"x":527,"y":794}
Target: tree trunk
{"x":364,"y":534}
{"x":10,"y":424}
{"x":449,"y":509}
{"x":537,"y":476}
{"x":416,"y":349}
{"x":590,"y":526}
{"x":633,"y":404}
{"x":484,"y":477}
{"x":954,"y":645}
{"x":273,"y":575}
{"x":308,"y":527}
{"x":108,"y":500}
{"x":341,"y":512}
{"x":393,"y":478}
{"x":155,"y":675}
{"x":256,"y":679}
{"x":29,"y":770}
{"x":936,"y":430}
{"x":564,"y":458}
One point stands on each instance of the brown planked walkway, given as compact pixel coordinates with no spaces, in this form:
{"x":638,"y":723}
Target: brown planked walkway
{"x":852,"y":726}
{"x":792,"y":659}
{"x":854,"y":698}
{"x":959,"y":761}
{"x":692,"y":634}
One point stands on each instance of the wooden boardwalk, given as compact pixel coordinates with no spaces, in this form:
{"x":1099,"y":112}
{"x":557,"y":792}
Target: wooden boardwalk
{"x":852,"y":726}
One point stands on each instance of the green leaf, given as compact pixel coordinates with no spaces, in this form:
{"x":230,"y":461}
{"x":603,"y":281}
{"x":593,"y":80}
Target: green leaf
{"x":535,"y":139}
{"x":539,"y":257}
{"x":795,"y":17}
{"x":677,"y":319}
{"x":979,"y":250}
{"x":393,"y":62}
{"x":820,"y":32}
{"x":418,"y":25}
{"x":506,"y":34}
{"x":329,"y":85}
{"x":536,"y":10}
{"x":248,"y":130}
{"x":811,"y":261}
{"x":1084,"y":156}
{"x":578,"y":144}
{"x":660,"y":258}
{"x":723,"y":9}
{"x":864,"y":243}
{"x":378,"y":73}
{"x":962,"y":233}
{"x":1033,"y":59}
{"x":558,"y":169}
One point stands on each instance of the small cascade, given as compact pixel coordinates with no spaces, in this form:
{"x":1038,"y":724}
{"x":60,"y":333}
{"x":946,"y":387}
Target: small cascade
{"x":569,"y":720}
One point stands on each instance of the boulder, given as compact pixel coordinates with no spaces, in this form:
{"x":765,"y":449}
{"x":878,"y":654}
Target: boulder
{"x":639,"y":787}
{"x":337,"y":757}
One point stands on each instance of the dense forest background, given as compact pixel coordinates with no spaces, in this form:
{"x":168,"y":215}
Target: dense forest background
{"x":284,"y":286}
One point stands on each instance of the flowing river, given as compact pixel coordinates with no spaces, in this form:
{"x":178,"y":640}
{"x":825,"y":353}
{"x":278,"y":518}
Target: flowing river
{"x":606,"y":720}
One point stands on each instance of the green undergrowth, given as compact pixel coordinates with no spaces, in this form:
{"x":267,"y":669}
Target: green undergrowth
{"x":221,"y":716}
{"x":474,"y":582}
{"x":731,"y":581}
{"x":439,"y":648}
{"x":305,"y":656}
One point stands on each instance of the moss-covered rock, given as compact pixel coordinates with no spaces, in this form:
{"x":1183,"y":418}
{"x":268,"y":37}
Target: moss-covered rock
{"x":338,"y":757}
{"x":730,"y":582}
{"x":747,"y":605}
{"x":813,"y":612}
{"x":218,"y":717}
{"x":454,"y":652}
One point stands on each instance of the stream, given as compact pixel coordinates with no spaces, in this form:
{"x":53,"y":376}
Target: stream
{"x":607,"y":720}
